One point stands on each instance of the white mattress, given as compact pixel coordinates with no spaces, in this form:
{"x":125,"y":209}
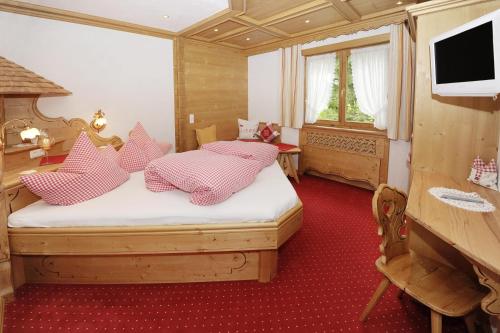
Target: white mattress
{"x":131,"y":204}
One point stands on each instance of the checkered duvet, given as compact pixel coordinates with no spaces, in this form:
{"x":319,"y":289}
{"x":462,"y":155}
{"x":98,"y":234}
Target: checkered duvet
{"x":209,"y":177}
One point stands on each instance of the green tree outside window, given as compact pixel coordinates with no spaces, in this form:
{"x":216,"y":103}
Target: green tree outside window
{"x":352,"y":112}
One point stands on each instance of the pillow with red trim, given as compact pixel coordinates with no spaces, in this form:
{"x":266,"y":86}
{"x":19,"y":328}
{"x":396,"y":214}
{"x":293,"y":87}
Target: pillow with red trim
{"x":247,"y":128}
{"x":85,"y":174}
{"x":139,"y":150}
{"x":268,"y":134}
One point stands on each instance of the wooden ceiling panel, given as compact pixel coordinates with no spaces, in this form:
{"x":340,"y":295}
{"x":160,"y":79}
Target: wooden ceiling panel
{"x":311,"y":21}
{"x":250,"y":39}
{"x":258,"y":25}
{"x":366,"y":7}
{"x":220,"y":30}
{"x":262,"y":9}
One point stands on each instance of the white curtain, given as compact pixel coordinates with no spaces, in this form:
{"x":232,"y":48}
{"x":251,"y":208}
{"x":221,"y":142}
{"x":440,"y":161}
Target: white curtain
{"x":369,"y":75}
{"x":320,"y":76}
{"x":292,"y":87}
{"x":400,"y":94}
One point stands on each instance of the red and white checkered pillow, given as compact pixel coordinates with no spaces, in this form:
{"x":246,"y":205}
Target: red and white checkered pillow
{"x":165,"y":147}
{"x":85,"y":174}
{"x":262,"y":152}
{"x":139,"y":150}
{"x":110,"y":153}
{"x":209,"y":177}
{"x":484,"y":174}
{"x":268,"y":134}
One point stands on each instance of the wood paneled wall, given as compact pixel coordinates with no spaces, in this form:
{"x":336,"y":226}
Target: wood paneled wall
{"x":211,"y":83}
{"x":450,"y":131}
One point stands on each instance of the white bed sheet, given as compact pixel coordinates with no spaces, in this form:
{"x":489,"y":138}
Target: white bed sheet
{"x":131,"y":204}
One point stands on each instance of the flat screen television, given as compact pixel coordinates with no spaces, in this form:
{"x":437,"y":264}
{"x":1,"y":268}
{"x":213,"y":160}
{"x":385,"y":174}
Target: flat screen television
{"x":465,"y":61}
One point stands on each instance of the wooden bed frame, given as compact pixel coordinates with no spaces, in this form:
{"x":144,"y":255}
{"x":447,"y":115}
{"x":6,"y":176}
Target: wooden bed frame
{"x":155,"y":254}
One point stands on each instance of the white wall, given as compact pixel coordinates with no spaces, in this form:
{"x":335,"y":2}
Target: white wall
{"x":128,"y":76}
{"x":264,"y":72}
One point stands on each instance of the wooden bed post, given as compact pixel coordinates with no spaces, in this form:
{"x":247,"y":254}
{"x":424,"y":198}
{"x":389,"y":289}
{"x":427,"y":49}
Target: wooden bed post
{"x":268,"y":265}
{"x":5,"y":272}
{"x":18,"y":275}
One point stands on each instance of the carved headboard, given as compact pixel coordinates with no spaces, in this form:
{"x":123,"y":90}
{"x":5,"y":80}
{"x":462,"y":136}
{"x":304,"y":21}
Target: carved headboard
{"x":64,"y":131}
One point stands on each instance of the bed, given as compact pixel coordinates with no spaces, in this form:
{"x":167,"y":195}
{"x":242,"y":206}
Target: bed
{"x":131,"y":235}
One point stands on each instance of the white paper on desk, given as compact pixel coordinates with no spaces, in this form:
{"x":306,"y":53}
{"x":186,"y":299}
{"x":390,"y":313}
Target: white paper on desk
{"x":485,"y":206}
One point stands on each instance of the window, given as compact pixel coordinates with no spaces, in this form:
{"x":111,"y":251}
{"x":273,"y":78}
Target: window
{"x":343,"y":108}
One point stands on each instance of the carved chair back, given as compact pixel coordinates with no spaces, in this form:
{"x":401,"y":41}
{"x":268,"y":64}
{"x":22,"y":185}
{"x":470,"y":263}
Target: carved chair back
{"x":388,"y":205}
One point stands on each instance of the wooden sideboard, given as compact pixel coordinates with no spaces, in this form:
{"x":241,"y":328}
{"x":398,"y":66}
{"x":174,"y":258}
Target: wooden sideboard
{"x":356,"y":157}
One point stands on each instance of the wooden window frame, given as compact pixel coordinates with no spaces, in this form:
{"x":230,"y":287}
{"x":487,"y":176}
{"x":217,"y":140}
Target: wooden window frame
{"x":343,"y":50}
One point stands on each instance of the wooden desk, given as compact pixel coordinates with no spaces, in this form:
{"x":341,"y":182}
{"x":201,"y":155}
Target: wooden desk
{"x":475,"y":235}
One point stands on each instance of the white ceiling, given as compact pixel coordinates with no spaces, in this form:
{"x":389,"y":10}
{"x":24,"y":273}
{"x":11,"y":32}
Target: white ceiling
{"x":181,"y":13}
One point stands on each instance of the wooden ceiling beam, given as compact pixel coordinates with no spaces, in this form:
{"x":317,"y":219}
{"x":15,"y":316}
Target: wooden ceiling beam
{"x":371,"y":21}
{"x":253,"y":24}
{"x":209,"y":22}
{"x":297,"y":11}
{"x":346,"y":10}
{"x":238,"y":5}
{"x":19,"y":7}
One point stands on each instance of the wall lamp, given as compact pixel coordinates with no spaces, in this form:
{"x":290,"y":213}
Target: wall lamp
{"x":99,"y":121}
{"x":27,"y":132}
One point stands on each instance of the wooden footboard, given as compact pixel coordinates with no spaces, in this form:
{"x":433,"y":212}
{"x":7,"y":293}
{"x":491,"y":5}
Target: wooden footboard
{"x":156,"y":254}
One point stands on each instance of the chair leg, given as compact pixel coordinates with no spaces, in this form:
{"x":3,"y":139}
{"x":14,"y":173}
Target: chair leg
{"x":436,"y":322}
{"x":377,"y":295}
{"x":470,"y":322}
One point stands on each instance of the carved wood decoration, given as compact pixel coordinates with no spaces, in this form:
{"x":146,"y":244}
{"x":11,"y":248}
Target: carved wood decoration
{"x":170,"y":253}
{"x":388,"y":206}
{"x":64,"y":131}
{"x":491,"y":303}
{"x":358,"y":156}
{"x":142,"y":269}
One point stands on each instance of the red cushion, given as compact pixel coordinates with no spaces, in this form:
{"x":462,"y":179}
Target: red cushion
{"x":209,"y":177}
{"x":268,"y":133}
{"x":259,"y":151}
{"x":139,"y":150}
{"x":54,"y":159}
{"x":85,"y":174}
{"x":284,"y":146}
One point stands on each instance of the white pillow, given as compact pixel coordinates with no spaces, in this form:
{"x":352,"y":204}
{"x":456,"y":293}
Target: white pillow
{"x":248,"y":128}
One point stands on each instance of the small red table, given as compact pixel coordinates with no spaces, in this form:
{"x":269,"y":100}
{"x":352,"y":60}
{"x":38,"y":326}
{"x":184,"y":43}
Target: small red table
{"x":286,"y":161}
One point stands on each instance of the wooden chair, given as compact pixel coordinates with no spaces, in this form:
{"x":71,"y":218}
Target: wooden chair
{"x":445,"y":290}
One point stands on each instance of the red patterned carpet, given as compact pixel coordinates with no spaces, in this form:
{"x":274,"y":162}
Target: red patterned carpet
{"x":326,"y":276}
